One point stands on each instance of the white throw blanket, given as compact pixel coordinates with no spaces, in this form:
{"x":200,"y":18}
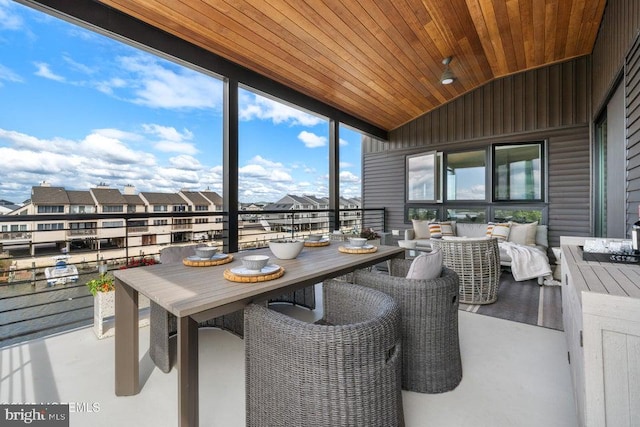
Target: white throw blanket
{"x":527,"y":262}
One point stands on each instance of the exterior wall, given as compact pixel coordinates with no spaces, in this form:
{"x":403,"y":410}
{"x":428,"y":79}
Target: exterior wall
{"x":619,"y":27}
{"x":550,"y":103}
{"x":616,"y":58}
{"x":632,"y":89}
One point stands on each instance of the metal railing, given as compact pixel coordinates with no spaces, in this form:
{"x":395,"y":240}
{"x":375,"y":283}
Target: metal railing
{"x":32,"y":306}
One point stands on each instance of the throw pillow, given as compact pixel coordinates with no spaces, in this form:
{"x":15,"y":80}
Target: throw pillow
{"x":426,"y":266}
{"x":435,"y":230}
{"x":523,"y":234}
{"x":421,"y":228}
{"x":439,"y":229}
{"x":501,"y":231}
{"x":447,"y":229}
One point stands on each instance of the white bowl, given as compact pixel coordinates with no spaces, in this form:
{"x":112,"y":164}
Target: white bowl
{"x":255,"y":263}
{"x":286,"y":249}
{"x":206,"y":251}
{"x":357,"y":242}
{"x":314,"y":237}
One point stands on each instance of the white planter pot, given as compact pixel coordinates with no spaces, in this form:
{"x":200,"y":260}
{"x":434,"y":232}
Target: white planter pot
{"x":104,"y":310}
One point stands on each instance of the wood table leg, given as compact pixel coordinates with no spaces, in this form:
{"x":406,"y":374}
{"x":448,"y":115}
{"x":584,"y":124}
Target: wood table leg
{"x":188,"y":372}
{"x":126,"y":340}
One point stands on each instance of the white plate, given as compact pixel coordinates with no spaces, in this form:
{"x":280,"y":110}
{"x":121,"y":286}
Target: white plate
{"x":358,"y":247}
{"x":317,"y":241}
{"x":214,"y":258}
{"x":269,"y":269}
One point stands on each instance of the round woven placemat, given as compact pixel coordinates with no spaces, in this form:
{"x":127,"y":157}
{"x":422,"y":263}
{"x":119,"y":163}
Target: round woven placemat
{"x":316,"y":244}
{"x":357,"y":250}
{"x":229,"y":275}
{"x":207,"y":262}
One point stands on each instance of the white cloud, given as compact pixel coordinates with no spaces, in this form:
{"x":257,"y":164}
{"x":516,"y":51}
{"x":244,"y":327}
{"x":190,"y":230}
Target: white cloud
{"x":104,"y":155}
{"x":185,"y":162}
{"x":167,"y":132}
{"x":158,"y":86}
{"x":43,"y":70}
{"x":8,"y":75}
{"x":85,"y":69}
{"x":118,"y":134}
{"x":346,"y":176}
{"x":170,"y":139}
{"x":311,"y":140}
{"x":344,"y":165}
{"x":107,"y":86}
{"x":254,"y":106}
{"x":343,"y":142}
{"x":8,"y":19}
{"x":266,"y":162}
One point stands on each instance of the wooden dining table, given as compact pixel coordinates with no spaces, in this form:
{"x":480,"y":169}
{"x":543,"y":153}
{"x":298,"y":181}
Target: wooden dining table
{"x":195,"y":294}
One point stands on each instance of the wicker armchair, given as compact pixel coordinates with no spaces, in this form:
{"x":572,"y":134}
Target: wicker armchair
{"x":477,"y":262}
{"x":430,"y":345}
{"x":342,"y":372}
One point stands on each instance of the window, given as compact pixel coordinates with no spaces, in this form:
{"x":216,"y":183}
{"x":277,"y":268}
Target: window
{"x":422,"y":213}
{"x":81,"y":209}
{"x":112,"y":224}
{"x":466,"y":175}
{"x":200,"y":208}
{"x":50,"y":209}
{"x":423,"y":177}
{"x":112,"y":208}
{"x":518,"y":172}
{"x":519,"y":215}
{"x":54,"y":226}
{"x":477,"y":215}
{"x":160,"y":208}
{"x":160,"y":222}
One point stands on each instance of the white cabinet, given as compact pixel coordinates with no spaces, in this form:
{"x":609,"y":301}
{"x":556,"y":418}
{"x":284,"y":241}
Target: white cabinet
{"x":601,"y":314}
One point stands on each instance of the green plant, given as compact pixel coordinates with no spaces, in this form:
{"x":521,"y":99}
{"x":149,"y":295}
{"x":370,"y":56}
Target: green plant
{"x":369,"y":234}
{"x":103,"y":283}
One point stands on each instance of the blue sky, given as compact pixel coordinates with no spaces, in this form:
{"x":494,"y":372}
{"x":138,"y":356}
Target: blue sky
{"x":79,"y":109}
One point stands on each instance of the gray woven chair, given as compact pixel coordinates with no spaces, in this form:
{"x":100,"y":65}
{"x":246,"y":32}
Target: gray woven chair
{"x":430,"y":345}
{"x":163,"y":324}
{"x":343,"y":372}
{"x":477,"y":262}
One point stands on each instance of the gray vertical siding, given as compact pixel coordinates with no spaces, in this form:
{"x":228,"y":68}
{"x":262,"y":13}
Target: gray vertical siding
{"x":550,"y":103}
{"x":632,"y":94}
{"x":619,"y":27}
{"x":569,"y":174}
{"x":551,"y":97}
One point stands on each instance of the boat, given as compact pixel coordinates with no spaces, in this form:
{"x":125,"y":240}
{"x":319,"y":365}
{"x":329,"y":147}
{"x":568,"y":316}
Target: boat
{"x":62,"y":272}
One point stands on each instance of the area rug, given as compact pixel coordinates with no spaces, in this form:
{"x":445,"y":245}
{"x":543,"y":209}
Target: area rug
{"x":524,"y":302}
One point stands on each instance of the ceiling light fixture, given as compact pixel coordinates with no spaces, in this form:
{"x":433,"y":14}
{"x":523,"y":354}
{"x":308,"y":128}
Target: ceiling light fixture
{"x":447,"y":77}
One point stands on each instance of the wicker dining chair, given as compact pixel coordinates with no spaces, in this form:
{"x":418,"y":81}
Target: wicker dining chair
{"x":431,"y":360}
{"x":163,"y":324}
{"x":477,"y":262}
{"x":343,"y":371}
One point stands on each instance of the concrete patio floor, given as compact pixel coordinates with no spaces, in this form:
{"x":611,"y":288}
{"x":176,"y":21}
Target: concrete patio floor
{"x":513,"y":375}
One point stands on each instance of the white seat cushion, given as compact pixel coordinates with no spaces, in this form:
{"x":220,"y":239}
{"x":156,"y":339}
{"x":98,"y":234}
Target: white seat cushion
{"x":426,"y":266}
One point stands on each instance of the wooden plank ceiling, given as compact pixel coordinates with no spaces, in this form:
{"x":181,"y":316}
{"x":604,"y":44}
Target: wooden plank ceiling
{"x":379,"y":60}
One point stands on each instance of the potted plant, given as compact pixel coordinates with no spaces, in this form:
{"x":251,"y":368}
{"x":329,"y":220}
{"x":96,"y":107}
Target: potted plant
{"x":102,"y":288}
{"x":103,"y":283}
{"x":369,"y":234}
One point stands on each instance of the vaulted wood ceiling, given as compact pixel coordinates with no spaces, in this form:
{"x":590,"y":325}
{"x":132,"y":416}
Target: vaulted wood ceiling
{"x":380,"y":60}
